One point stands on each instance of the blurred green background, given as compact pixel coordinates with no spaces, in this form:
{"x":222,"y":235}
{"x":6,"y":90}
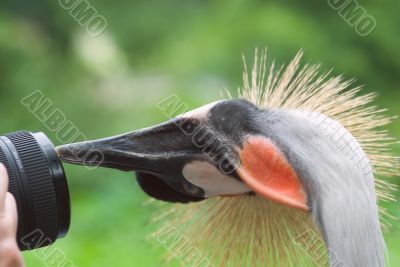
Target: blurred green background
{"x":150,"y":49}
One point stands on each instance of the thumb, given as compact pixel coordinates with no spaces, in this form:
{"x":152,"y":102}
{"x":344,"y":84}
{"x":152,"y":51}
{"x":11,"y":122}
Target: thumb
{"x":3,"y":186}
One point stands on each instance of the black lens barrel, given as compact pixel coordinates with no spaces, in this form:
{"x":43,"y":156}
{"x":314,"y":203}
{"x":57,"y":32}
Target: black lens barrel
{"x":38,"y":184}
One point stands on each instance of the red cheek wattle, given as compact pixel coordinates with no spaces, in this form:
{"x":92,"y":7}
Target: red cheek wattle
{"x":265,"y":169}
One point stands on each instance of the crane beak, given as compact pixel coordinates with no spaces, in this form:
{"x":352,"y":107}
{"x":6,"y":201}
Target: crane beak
{"x":157,"y":154}
{"x":153,"y":150}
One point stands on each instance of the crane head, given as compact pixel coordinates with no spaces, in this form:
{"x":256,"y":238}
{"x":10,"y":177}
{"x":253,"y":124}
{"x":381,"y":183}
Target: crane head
{"x":215,"y":150}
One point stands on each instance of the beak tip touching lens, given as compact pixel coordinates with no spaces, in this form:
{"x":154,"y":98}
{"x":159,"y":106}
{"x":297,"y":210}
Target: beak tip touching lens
{"x":68,"y":153}
{"x":64,"y":151}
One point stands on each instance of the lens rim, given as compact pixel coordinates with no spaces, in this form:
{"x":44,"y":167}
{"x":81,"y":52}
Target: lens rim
{"x":59,"y":180}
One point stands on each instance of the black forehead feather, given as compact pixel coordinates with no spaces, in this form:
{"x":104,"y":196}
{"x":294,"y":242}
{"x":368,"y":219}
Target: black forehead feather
{"x":237,"y":107}
{"x":234,"y":117}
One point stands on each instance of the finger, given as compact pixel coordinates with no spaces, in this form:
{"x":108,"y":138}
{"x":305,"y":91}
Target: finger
{"x":10,"y":210}
{"x":3,"y":185}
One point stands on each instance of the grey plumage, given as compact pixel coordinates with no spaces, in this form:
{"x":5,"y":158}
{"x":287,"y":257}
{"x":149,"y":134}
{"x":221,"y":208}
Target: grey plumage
{"x":341,"y":196}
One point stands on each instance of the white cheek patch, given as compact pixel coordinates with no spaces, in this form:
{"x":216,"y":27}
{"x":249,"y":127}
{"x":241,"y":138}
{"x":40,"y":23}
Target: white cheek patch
{"x":212,"y":181}
{"x":200,"y":112}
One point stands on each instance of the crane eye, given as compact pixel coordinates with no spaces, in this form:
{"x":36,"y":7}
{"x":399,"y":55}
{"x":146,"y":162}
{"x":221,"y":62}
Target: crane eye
{"x":191,"y":189}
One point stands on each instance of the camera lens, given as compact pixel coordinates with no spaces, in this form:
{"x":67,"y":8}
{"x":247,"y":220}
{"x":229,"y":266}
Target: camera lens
{"x":38,"y":184}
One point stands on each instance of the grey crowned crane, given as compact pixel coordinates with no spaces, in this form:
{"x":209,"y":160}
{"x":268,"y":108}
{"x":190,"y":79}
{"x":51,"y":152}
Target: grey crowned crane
{"x":252,"y":177}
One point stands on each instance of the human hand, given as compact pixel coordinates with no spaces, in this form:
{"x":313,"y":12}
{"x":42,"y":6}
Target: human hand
{"x":10,"y":255}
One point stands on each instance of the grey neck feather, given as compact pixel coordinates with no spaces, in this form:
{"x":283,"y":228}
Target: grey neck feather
{"x":339,"y":184}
